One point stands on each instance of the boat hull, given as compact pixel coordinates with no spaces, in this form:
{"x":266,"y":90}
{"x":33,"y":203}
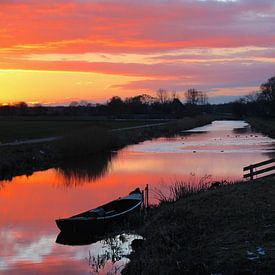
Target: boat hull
{"x":102,"y":218}
{"x":88,"y":225}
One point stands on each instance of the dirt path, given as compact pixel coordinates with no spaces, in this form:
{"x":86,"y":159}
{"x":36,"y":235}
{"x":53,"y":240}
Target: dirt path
{"x":30,"y":141}
{"x":138,"y":127}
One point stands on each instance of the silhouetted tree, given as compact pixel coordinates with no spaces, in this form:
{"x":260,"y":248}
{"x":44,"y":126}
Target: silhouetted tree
{"x":174,"y":95}
{"x":21,"y":107}
{"x":195,"y":97}
{"x":115,"y":105}
{"x":162,"y":96}
{"x":74,"y":104}
{"x":268,"y":90}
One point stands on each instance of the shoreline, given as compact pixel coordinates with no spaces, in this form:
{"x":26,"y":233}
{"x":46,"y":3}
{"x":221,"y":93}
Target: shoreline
{"x":266,"y":126}
{"x":225,"y":229}
{"x":27,"y":158}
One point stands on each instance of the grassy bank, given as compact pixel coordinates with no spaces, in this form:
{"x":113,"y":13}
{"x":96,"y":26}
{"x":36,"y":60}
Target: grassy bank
{"x":97,"y":140}
{"x":266,"y":126}
{"x":25,"y":159}
{"x":23,"y":128}
{"x":225,"y":230}
{"x":83,"y":142}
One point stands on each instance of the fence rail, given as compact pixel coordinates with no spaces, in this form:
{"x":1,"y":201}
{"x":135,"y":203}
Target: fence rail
{"x":253,"y":172}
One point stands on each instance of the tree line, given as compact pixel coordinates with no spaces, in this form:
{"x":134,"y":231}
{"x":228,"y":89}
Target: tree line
{"x":258,"y":103}
{"x":163,"y":104}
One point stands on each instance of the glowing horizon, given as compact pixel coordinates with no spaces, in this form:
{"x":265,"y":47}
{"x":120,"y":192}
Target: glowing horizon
{"x":53,"y":52}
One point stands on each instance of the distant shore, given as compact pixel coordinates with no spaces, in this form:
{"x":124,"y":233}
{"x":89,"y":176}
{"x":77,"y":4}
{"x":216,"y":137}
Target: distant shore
{"x":27,"y":158}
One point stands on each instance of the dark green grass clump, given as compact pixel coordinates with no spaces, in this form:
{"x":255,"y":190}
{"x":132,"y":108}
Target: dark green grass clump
{"x":227,"y":229}
{"x":85,"y":142}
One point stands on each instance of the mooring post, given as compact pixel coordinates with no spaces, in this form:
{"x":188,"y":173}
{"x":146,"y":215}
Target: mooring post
{"x":143,"y":202}
{"x":147,"y":196}
{"x":251,"y":172}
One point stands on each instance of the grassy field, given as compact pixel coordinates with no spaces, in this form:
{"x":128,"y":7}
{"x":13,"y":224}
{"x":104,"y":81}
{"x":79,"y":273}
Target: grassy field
{"x":23,"y":128}
{"x":225,"y":230}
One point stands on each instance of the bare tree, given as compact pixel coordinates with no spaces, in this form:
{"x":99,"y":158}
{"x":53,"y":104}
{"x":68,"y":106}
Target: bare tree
{"x":174,"y":95}
{"x":162,"y":96}
{"x":203,"y":98}
{"x":192,"y":96}
{"x":196,"y":97}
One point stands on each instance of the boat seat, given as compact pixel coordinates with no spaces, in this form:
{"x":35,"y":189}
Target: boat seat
{"x":100,"y":212}
{"x":110,"y":212}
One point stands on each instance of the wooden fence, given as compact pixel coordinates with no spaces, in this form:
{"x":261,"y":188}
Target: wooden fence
{"x":253,"y":171}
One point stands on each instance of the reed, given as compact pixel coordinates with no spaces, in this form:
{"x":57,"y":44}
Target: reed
{"x":181,"y":189}
{"x":85,"y":142}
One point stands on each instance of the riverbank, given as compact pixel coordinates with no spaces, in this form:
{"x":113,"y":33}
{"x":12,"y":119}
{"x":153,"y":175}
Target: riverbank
{"x":225,"y":230}
{"x":266,"y":126}
{"x":25,"y":159}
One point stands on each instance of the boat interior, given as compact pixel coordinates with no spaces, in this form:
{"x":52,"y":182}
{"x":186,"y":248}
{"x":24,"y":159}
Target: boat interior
{"x":109,"y":209}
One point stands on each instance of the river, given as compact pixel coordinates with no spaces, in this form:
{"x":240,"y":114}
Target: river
{"x":29,"y":205}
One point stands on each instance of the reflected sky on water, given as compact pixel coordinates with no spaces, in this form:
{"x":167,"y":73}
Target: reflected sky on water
{"x":30,"y":204}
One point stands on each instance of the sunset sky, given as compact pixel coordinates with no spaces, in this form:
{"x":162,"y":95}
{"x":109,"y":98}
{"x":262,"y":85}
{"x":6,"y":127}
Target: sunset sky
{"x":55,"y":52}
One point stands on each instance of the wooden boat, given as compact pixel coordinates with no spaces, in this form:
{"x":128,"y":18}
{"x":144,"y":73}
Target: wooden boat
{"x":104,"y":216}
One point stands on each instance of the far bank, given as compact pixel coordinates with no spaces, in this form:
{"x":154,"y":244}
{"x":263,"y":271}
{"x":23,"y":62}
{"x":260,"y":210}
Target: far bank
{"x":87,"y":141}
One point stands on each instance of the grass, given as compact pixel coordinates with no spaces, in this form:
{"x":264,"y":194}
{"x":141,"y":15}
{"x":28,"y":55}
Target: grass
{"x":24,"y":159}
{"x":226,"y":229}
{"x":96,"y":140}
{"x":87,"y":141}
{"x":181,"y":190}
{"x":22,"y":128}
{"x":81,"y":141}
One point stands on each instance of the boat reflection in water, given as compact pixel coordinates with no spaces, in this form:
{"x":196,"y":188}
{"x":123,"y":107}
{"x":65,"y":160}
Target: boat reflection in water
{"x":106,"y":254}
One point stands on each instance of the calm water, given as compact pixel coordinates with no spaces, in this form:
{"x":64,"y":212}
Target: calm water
{"x":30,"y":205}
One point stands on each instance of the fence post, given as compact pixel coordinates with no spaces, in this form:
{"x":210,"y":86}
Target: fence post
{"x":251,"y":172}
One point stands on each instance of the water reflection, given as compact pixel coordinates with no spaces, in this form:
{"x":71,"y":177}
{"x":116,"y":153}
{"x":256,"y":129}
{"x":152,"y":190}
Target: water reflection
{"x":78,"y":171}
{"x":105,"y":255}
{"x":30,"y":205}
{"x":214,"y":138}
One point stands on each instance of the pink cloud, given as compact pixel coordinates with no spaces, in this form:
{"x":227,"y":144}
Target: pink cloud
{"x":144,"y":27}
{"x":140,"y":25}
